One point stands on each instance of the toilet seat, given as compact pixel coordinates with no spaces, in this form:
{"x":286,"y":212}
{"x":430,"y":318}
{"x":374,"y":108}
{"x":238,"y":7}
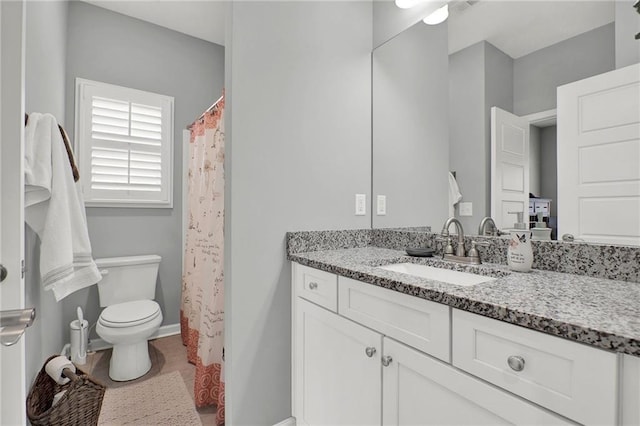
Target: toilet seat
{"x":129,"y":314}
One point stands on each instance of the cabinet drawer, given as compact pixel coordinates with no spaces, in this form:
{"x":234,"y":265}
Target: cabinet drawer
{"x":420,"y":390}
{"x":416,"y":322}
{"x":569,"y":378}
{"x":316,"y":286}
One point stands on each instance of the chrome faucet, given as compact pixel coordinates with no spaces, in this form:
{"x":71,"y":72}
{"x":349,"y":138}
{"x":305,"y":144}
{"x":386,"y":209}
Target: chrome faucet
{"x":445,"y":233}
{"x":460,"y":256}
{"x":493,"y":230}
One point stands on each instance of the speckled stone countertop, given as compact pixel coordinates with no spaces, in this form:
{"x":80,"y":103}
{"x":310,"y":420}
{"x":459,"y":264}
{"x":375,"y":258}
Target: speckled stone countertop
{"x":600,"y":312}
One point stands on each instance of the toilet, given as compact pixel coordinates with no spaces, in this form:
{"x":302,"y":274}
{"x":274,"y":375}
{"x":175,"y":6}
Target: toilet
{"x":130,"y":315}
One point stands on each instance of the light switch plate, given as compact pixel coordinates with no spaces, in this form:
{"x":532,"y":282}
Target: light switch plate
{"x":466,"y":209}
{"x":361,"y":204}
{"x":381,"y":206}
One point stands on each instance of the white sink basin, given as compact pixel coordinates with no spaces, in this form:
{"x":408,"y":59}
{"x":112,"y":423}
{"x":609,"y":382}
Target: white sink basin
{"x":438,"y":274}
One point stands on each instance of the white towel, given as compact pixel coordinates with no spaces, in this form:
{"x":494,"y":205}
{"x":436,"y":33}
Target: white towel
{"x":454,"y":194}
{"x":55,"y":210}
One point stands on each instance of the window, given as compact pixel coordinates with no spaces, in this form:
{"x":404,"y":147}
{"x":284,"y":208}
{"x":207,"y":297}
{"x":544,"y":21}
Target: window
{"x":124,"y":143}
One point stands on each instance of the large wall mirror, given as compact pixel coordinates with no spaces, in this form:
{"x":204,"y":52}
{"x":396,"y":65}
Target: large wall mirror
{"x":434,"y":88}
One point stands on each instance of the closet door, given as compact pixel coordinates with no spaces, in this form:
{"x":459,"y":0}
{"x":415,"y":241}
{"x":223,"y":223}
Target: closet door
{"x":337,"y":369}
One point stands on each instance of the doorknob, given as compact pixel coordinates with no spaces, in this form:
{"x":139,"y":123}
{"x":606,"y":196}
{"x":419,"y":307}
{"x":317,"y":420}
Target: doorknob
{"x":3,"y":273}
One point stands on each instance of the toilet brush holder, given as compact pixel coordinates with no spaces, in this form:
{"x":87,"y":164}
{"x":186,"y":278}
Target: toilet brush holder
{"x":79,"y":341}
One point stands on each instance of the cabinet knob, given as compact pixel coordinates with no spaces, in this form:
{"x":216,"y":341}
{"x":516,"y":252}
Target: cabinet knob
{"x":516,"y":362}
{"x":386,"y":360}
{"x":370,"y":351}
{"x":313,"y":285}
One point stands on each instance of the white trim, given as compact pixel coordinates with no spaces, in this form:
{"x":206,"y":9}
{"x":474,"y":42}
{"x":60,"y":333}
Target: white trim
{"x":291,"y":421}
{"x":84,"y":90}
{"x":543,"y":118}
{"x":164,"y":331}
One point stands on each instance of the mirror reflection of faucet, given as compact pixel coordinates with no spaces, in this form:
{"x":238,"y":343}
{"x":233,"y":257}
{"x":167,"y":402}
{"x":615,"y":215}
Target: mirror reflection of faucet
{"x":490,"y":230}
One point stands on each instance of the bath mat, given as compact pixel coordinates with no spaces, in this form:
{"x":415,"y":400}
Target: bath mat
{"x":162,"y":400}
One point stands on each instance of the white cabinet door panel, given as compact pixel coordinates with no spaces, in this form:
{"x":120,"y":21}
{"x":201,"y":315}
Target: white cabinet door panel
{"x":419,"y":390}
{"x":336,"y":382}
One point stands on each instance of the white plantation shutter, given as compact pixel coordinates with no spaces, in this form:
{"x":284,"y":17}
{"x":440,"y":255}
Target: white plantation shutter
{"x":125,"y":145}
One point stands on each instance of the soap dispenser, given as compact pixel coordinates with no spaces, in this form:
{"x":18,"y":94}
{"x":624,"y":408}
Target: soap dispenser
{"x":520,"y":253}
{"x":520,"y":224}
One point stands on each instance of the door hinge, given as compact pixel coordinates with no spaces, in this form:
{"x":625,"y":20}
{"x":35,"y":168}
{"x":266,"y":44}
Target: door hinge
{"x":22,"y":268}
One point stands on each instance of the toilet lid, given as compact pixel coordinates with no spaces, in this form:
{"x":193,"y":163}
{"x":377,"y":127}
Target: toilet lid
{"x":128,"y":314}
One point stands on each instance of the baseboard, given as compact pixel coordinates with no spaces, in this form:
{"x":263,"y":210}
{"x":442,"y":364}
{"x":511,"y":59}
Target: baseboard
{"x":164,"y":331}
{"x":291,"y":421}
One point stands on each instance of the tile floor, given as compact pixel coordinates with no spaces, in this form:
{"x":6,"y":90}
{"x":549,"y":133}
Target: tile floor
{"x":167,"y":355}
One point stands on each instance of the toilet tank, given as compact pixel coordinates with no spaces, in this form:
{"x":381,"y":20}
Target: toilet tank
{"x":129,"y":278}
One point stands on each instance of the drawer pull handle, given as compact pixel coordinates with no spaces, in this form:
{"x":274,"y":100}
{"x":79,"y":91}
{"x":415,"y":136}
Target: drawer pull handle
{"x":516,"y":362}
{"x":370,"y":351}
{"x":313,"y":285}
{"x":386,"y":360}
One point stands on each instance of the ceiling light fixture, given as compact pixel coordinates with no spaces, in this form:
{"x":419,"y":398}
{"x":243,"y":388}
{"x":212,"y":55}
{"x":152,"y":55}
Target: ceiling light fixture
{"x":438,"y":16}
{"x":408,"y":4}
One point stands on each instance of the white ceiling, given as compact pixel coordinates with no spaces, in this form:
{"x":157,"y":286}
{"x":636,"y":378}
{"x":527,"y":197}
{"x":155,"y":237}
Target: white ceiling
{"x":198,"y":18}
{"x":519,"y":27}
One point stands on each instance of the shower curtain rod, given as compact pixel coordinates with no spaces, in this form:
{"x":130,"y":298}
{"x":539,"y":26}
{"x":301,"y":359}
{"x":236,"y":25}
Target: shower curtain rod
{"x":205,"y":111}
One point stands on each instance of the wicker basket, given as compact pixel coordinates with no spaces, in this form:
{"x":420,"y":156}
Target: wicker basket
{"x":80,"y":405}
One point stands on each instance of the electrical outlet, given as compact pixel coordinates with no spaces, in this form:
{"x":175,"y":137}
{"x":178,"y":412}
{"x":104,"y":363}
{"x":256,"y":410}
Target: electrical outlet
{"x":466,"y":209}
{"x":381,"y":206}
{"x":361,"y":204}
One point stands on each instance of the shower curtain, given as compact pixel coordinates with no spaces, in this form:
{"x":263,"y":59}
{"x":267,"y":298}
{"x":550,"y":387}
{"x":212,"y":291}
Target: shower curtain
{"x":202,"y":307}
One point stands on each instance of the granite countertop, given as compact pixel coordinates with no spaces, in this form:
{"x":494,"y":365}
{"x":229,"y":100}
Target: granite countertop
{"x":600,"y":312}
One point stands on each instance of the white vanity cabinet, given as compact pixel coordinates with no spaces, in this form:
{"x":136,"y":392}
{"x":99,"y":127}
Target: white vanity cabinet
{"x":353,"y":373}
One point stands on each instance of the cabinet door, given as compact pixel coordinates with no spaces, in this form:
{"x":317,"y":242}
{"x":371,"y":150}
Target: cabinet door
{"x":336,"y":381}
{"x":420,"y":390}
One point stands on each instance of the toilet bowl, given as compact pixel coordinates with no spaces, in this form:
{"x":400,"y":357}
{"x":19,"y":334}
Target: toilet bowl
{"x":131,"y":316}
{"x":127,"y":326}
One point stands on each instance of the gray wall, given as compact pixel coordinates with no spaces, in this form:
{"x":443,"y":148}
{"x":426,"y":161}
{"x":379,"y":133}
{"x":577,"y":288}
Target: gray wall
{"x":410,"y":127}
{"x":46,"y":24}
{"x":537,"y":75}
{"x":298,"y":149}
{"x":467,"y":125}
{"x":116,"y":49}
{"x":479,"y":78}
{"x":627,"y":26}
{"x":549,"y":166}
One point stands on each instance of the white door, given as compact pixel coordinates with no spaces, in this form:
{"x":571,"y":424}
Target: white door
{"x":337,"y":382}
{"x":420,"y":390}
{"x":12,"y":358}
{"x":509,"y":167}
{"x":599,"y":157}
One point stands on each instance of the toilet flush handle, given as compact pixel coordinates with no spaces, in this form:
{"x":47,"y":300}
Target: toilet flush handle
{"x":104,"y":272}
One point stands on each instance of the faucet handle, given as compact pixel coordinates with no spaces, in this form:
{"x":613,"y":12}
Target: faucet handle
{"x":473,"y":252}
{"x":448,"y":248}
